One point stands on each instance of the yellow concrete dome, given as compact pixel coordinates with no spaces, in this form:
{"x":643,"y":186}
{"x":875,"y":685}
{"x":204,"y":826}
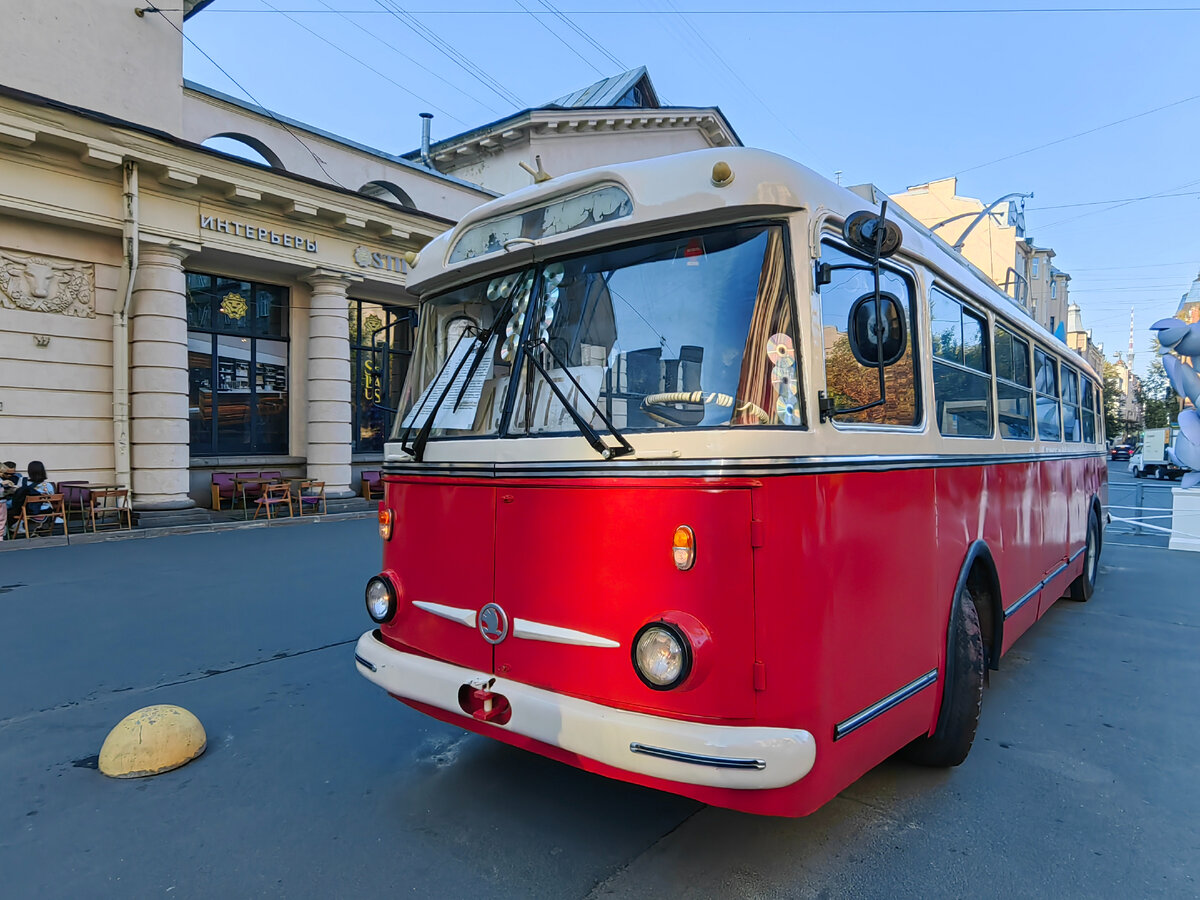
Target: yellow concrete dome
{"x":152,"y":740}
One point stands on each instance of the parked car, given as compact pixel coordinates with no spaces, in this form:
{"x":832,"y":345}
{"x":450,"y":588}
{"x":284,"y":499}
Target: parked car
{"x":1121,"y":451}
{"x":1139,"y":467}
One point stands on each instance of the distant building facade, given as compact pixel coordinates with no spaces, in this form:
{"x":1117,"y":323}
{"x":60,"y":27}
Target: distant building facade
{"x":617,"y":119}
{"x":1080,"y":340}
{"x":1128,"y":388}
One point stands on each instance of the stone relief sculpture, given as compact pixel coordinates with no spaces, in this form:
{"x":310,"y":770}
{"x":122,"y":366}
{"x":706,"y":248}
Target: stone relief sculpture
{"x":46,"y":284}
{"x":1178,"y":340}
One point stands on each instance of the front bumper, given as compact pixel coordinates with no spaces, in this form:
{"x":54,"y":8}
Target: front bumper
{"x":725,"y":756}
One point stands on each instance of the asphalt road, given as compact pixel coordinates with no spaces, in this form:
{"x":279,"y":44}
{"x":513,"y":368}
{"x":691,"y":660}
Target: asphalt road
{"x":1082,"y":781}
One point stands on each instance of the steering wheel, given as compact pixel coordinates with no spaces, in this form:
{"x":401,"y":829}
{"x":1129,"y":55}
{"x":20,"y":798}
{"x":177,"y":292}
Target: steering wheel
{"x":719,"y":399}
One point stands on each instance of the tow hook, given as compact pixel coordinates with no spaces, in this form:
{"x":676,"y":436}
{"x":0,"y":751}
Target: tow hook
{"x":479,"y":701}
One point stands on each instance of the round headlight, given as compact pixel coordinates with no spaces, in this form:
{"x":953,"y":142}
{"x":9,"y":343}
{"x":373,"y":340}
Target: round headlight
{"x":662,"y":656}
{"x":381,"y":599}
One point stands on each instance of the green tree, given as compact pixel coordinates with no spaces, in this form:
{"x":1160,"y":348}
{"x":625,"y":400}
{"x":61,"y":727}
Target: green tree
{"x":1162,"y":409}
{"x":1114,"y":428}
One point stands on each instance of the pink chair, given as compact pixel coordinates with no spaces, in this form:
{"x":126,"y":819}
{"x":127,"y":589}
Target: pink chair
{"x":372,"y":485}
{"x":247,"y":492}
{"x":75,"y":499}
{"x":223,"y":489}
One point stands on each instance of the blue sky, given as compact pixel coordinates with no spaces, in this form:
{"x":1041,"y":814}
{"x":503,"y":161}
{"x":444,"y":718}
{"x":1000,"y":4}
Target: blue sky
{"x":891,"y":97}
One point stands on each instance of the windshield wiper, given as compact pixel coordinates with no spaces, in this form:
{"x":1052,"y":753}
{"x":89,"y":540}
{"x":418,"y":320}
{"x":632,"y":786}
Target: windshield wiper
{"x":590,"y":434}
{"x":484,"y":339}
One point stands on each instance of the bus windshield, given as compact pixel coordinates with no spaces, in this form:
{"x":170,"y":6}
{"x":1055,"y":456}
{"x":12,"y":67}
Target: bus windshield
{"x":693,"y":331}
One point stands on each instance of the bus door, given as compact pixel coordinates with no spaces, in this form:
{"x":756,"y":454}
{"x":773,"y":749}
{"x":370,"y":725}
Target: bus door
{"x":580,"y":568}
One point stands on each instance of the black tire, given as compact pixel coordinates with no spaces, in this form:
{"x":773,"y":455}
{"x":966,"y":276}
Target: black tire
{"x":962,"y":697}
{"x":1084,"y":586}
{"x":1137,"y":473}
{"x":1158,"y":473}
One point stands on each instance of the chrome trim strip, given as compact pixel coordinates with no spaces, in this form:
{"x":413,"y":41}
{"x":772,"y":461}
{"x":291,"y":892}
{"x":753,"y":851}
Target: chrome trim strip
{"x":1041,"y":584}
{"x":718,"y":762}
{"x":537,"y":631}
{"x":365,"y":663}
{"x":1016,"y":606}
{"x":453,"y":613}
{"x":709,"y":468}
{"x":892,"y":700}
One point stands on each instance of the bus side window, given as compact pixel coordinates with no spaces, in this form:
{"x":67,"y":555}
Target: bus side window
{"x":1089,"y":411}
{"x":1072,"y":425}
{"x":1013,"y":389}
{"x":1045,"y":381}
{"x":962,"y":384}
{"x":848,"y":382}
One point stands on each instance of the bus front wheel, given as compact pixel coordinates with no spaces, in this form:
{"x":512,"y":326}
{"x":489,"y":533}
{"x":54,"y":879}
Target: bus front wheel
{"x":962,"y":696}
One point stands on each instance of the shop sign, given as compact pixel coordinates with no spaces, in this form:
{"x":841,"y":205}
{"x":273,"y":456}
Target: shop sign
{"x":368,"y":259}
{"x":252,"y":232}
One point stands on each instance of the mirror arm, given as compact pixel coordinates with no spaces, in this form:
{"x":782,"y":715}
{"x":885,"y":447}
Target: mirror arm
{"x":826,"y":407}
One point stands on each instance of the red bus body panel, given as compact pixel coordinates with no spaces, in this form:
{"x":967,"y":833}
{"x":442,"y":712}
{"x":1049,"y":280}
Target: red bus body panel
{"x":821,"y":593}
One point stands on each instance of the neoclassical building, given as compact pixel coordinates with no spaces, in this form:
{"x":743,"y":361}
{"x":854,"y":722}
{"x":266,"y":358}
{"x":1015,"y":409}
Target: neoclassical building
{"x":168,"y":310}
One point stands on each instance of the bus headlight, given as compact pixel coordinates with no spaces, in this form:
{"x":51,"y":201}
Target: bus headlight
{"x":381,"y":599}
{"x":662,"y":656}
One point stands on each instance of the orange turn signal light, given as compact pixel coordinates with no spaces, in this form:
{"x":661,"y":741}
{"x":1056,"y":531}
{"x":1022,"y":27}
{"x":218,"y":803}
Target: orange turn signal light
{"x":683,"y":548}
{"x":386,"y":518}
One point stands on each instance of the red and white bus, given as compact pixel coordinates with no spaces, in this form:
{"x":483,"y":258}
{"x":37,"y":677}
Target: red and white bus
{"x":716,"y":477}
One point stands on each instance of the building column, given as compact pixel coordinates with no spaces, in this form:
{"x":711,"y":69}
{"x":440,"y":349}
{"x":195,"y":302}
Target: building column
{"x":159,"y":380}
{"x":329,"y":437}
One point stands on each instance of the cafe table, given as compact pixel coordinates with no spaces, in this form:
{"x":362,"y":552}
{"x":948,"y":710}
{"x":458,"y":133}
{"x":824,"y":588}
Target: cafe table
{"x":242,"y":483}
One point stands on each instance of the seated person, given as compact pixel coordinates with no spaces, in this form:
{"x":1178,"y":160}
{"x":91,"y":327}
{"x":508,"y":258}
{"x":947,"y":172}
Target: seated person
{"x":34,"y":483}
{"x":8,"y":487}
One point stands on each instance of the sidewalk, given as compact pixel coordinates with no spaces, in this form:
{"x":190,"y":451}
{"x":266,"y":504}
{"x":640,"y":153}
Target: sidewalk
{"x":217,"y":520}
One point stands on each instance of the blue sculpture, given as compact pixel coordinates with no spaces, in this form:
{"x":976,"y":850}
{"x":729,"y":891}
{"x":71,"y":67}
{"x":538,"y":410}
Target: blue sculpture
{"x":1178,"y":339}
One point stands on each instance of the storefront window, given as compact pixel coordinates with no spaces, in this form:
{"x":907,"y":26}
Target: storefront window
{"x":237,"y":366}
{"x":381,"y":339}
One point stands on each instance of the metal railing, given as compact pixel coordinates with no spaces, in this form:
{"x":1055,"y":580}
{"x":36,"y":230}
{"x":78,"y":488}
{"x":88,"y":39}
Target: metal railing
{"x":1140,"y":508}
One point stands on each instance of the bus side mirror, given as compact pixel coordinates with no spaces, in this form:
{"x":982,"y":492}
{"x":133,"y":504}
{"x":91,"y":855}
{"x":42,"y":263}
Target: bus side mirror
{"x":877,"y":341}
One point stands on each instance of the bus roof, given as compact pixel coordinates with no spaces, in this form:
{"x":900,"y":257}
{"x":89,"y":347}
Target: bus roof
{"x":674,"y":192}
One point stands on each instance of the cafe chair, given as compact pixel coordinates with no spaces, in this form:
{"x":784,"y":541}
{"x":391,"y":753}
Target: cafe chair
{"x":110,"y":504}
{"x":43,"y":521}
{"x":246,"y":492}
{"x":311,"y":497}
{"x":273,"y":496}
{"x":76,"y":499}
{"x":223,"y":488}
{"x":372,"y":485}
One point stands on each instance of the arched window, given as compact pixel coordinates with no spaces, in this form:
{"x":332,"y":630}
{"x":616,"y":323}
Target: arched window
{"x":243,"y":146}
{"x":385,"y":190}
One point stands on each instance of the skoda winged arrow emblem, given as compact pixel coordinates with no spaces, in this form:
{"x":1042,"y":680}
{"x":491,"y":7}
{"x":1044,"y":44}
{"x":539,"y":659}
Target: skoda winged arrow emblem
{"x":493,"y":623}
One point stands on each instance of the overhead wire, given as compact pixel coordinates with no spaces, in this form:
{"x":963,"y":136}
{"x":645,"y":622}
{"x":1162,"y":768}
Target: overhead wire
{"x":1121,"y":204}
{"x":320,"y":162}
{"x":366,"y":65}
{"x":750,"y":90}
{"x":1072,"y":137}
{"x":562,"y":40}
{"x":725,"y":11}
{"x":435,"y":40}
{"x":583,"y":34}
{"x":412,"y":60}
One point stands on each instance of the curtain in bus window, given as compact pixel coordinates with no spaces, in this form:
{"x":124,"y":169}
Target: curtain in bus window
{"x":770,"y":374}
{"x":1045,"y":375}
{"x":1013,"y":389}
{"x":1089,"y":411}
{"x":962,"y":386}
{"x":847,"y":381}
{"x":1072,"y":426}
